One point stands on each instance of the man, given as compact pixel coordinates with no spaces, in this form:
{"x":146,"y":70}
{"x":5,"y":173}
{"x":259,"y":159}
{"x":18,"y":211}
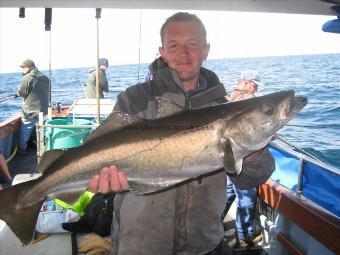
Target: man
{"x":246,"y":198}
{"x":90,"y":86}
{"x":185,"y":219}
{"x":34,"y":89}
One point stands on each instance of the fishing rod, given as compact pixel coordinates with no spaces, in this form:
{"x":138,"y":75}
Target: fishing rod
{"x":281,"y":138}
{"x":8,"y":97}
{"x":68,"y":90}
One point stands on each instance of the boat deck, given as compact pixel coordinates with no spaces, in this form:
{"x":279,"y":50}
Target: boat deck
{"x":24,"y":164}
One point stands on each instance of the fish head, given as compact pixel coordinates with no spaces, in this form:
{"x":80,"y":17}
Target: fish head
{"x":254,"y":127}
{"x":251,"y":129}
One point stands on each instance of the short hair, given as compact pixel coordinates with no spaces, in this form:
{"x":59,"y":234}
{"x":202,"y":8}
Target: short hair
{"x":184,"y":17}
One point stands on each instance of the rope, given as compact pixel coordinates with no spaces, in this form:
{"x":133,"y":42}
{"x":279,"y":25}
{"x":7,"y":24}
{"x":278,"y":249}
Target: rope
{"x":13,"y":154}
{"x":281,"y":138}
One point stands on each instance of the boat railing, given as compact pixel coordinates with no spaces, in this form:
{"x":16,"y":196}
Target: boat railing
{"x":306,"y":158}
{"x":303,"y":168}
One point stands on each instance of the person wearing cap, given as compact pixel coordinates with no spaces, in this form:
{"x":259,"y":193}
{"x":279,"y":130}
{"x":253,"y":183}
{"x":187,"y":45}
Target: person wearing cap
{"x":246,"y":199}
{"x":34,"y":90}
{"x":246,"y":86}
{"x":90,"y":86}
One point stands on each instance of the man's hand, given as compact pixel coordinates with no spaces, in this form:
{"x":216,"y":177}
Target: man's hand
{"x":110,"y":179}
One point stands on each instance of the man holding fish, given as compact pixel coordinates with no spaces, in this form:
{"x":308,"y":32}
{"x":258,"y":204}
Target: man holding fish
{"x":168,"y":143}
{"x":185,"y":219}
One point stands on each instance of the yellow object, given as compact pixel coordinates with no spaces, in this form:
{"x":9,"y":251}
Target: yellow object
{"x":93,"y":244}
{"x":39,"y":237}
{"x":80,"y":205}
{"x":13,"y":154}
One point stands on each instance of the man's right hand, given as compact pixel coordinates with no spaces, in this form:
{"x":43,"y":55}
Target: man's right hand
{"x":110,"y":179}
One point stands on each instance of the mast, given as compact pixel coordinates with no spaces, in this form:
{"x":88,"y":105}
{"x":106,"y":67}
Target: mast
{"x":48,"y":22}
{"x":98,"y":12}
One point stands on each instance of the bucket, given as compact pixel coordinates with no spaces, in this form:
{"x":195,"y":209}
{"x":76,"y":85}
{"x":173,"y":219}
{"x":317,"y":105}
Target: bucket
{"x":62,"y":138}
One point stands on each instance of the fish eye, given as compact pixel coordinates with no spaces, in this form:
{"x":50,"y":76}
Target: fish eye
{"x":267,"y":109}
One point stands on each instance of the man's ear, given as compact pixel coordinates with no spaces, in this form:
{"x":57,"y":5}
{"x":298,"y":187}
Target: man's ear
{"x":206,"y":51}
{"x":161,"y":51}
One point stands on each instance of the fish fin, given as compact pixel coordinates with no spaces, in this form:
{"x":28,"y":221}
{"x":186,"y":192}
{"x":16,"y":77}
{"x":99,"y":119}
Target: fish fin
{"x":228,"y":158}
{"x":115,"y":121}
{"x":21,"y":220}
{"x":141,"y":188}
{"x":48,"y":158}
{"x":165,"y":107}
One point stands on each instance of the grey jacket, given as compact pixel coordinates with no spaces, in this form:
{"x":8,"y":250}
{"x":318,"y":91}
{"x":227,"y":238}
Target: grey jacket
{"x":34,"y":89}
{"x":185,"y":219}
{"x":90,"y":86}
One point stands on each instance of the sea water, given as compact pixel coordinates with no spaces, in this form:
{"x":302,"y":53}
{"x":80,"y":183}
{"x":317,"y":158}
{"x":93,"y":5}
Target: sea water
{"x":315,"y":129}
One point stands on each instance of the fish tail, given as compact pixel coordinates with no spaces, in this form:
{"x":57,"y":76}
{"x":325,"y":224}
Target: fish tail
{"x":20,"y":219}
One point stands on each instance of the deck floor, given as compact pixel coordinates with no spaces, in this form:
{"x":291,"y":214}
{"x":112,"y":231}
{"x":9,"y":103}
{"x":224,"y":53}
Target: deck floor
{"x":24,"y":164}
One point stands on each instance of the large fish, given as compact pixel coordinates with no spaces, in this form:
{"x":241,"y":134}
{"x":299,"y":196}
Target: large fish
{"x":153,"y":154}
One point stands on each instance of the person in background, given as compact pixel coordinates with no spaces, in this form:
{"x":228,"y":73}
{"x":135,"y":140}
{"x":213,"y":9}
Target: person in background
{"x":34,"y":90}
{"x":246,"y":87}
{"x":154,"y":66}
{"x":90,"y":86}
{"x":184,"y":219}
{"x":5,"y":176}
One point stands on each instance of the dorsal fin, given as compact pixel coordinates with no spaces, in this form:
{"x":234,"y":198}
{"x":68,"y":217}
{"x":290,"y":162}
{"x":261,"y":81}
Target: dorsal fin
{"x":48,"y":158}
{"x":115,"y":121}
{"x":165,"y":107}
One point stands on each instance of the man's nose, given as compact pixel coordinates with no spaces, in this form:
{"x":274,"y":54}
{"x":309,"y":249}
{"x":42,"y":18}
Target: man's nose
{"x":184,"y":49}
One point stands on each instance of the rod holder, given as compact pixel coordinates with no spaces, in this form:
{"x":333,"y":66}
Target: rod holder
{"x":98,"y":13}
{"x":22,"y":12}
{"x":48,"y":19}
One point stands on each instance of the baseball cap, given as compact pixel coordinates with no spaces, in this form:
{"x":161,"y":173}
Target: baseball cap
{"x":27,"y":63}
{"x":103,"y":61}
{"x":251,"y":75}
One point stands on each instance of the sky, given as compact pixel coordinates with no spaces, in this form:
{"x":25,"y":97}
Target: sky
{"x":132,"y":36}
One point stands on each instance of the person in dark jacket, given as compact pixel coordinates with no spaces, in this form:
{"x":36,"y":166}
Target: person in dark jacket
{"x":34,"y":90}
{"x":186,"y":218}
{"x":246,"y":199}
{"x":90,"y":86}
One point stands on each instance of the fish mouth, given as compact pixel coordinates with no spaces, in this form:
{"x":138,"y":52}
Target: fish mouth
{"x":294,"y":106}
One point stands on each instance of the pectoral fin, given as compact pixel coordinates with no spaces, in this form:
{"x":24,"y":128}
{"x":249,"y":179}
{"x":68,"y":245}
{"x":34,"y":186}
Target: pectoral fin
{"x":228,"y":159}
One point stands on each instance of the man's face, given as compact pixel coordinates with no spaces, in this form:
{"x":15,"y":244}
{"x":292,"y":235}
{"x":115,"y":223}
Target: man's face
{"x":26,"y":69}
{"x":184,"y":49}
{"x":252,"y":87}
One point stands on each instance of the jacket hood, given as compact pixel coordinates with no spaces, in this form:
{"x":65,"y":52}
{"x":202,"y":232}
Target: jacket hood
{"x":36,"y":73}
